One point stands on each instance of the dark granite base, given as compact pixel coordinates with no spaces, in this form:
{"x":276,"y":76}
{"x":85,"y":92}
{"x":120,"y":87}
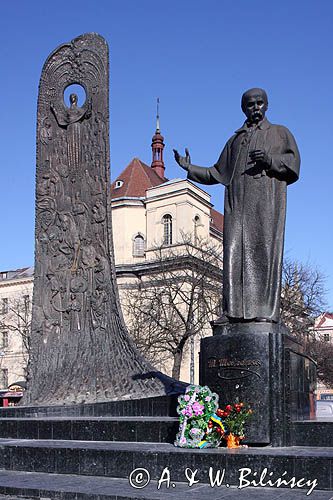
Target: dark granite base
{"x":117,"y":460}
{"x":260,"y":364}
{"x":88,"y":444}
{"x":154,"y":407}
{"x":137,"y":429}
{"x":312,"y":433}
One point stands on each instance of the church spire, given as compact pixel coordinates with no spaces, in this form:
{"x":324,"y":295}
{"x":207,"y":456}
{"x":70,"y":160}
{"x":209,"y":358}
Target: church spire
{"x":158,"y":115}
{"x":157,"y":147}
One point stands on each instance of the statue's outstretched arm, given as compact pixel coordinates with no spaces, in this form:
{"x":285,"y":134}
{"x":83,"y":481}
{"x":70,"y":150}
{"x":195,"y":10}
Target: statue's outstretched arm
{"x":194,"y":172}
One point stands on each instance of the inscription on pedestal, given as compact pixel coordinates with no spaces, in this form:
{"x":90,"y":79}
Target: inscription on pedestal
{"x":213,"y":362}
{"x":234,"y":369}
{"x":236,"y":366}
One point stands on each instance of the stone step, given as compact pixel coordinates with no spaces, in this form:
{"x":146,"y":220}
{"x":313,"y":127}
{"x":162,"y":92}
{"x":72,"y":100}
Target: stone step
{"x":151,"y":429}
{"x":317,"y":432}
{"x":33,"y":485}
{"x":312,"y":433}
{"x":157,"y":406}
{"x":119,"y":459}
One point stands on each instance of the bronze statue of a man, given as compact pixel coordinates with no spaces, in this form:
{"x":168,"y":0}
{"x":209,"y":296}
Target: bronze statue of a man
{"x":255,"y":166}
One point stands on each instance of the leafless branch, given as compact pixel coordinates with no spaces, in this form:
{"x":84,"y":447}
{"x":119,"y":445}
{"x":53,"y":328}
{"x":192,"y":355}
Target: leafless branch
{"x":175,"y":302}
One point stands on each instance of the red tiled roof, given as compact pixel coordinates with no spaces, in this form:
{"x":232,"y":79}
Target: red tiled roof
{"x":217,"y":219}
{"x":323,"y":317}
{"x":137,"y":178}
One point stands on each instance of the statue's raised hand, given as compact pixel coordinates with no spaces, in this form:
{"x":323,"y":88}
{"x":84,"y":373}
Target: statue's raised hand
{"x":183,"y":161}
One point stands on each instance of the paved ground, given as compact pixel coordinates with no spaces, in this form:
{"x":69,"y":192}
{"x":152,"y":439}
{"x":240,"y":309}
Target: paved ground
{"x":52,"y":486}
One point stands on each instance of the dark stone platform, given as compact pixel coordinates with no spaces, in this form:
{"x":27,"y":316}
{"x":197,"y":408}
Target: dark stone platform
{"x":260,"y":364}
{"x":63,"y":456}
{"x":149,"y":429}
{"x":316,"y":432}
{"x":118,"y":459}
{"x":153,"y":407}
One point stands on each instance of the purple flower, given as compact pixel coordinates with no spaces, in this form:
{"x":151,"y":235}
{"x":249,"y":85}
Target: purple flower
{"x":195,"y":430}
{"x":197,"y":408}
{"x":186,"y":397}
{"x":208,"y":398}
{"x":182,"y":440}
{"x":188,"y":411}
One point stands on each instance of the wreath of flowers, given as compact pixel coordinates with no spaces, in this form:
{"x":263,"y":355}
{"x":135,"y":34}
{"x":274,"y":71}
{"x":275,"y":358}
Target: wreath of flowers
{"x":195,"y":409}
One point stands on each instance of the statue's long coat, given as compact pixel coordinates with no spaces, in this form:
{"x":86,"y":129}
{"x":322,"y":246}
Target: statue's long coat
{"x":254,"y":217}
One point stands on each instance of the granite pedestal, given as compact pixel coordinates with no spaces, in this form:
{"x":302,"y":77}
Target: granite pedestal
{"x":262,"y":365}
{"x":89,"y":452}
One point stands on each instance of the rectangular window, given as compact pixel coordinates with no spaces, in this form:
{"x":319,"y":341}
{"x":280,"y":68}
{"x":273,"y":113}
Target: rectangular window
{"x":4,"y":306}
{"x":4,"y":378}
{"x":326,"y":337}
{"x":4,"y":339}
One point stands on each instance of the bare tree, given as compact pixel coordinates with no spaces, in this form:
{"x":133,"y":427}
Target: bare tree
{"x":302,"y":301}
{"x":176,"y":300}
{"x":302,"y":297}
{"x":322,"y":352}
{"x":16,"y":318}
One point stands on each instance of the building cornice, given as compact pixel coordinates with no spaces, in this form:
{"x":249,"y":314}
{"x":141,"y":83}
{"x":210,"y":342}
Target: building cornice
{"x":127,"y":202}
{"x":11,"y":282}
{"x":154,"y":266}
{"x":184,"y":190}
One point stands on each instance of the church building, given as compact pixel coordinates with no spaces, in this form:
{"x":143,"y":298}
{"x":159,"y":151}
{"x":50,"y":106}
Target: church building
{"x":149,"y":210}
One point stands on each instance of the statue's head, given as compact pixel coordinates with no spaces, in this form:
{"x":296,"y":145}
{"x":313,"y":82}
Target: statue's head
{"x":254,"y":104}
{"x":73,"y":99}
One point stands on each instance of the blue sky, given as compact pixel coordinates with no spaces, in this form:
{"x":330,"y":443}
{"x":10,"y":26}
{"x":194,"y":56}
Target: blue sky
{"x":198,"y":57}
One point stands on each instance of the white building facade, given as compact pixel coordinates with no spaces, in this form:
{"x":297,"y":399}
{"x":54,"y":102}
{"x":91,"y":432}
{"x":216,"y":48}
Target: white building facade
{"x":15,"y":315}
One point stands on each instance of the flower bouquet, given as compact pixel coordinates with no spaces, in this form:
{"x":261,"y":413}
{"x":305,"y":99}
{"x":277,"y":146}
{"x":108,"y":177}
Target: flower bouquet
{"x":234,"y":417}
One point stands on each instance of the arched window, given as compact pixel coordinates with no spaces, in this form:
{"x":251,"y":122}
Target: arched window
{"x":167,"y":230}
{"x":138,"y":246}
